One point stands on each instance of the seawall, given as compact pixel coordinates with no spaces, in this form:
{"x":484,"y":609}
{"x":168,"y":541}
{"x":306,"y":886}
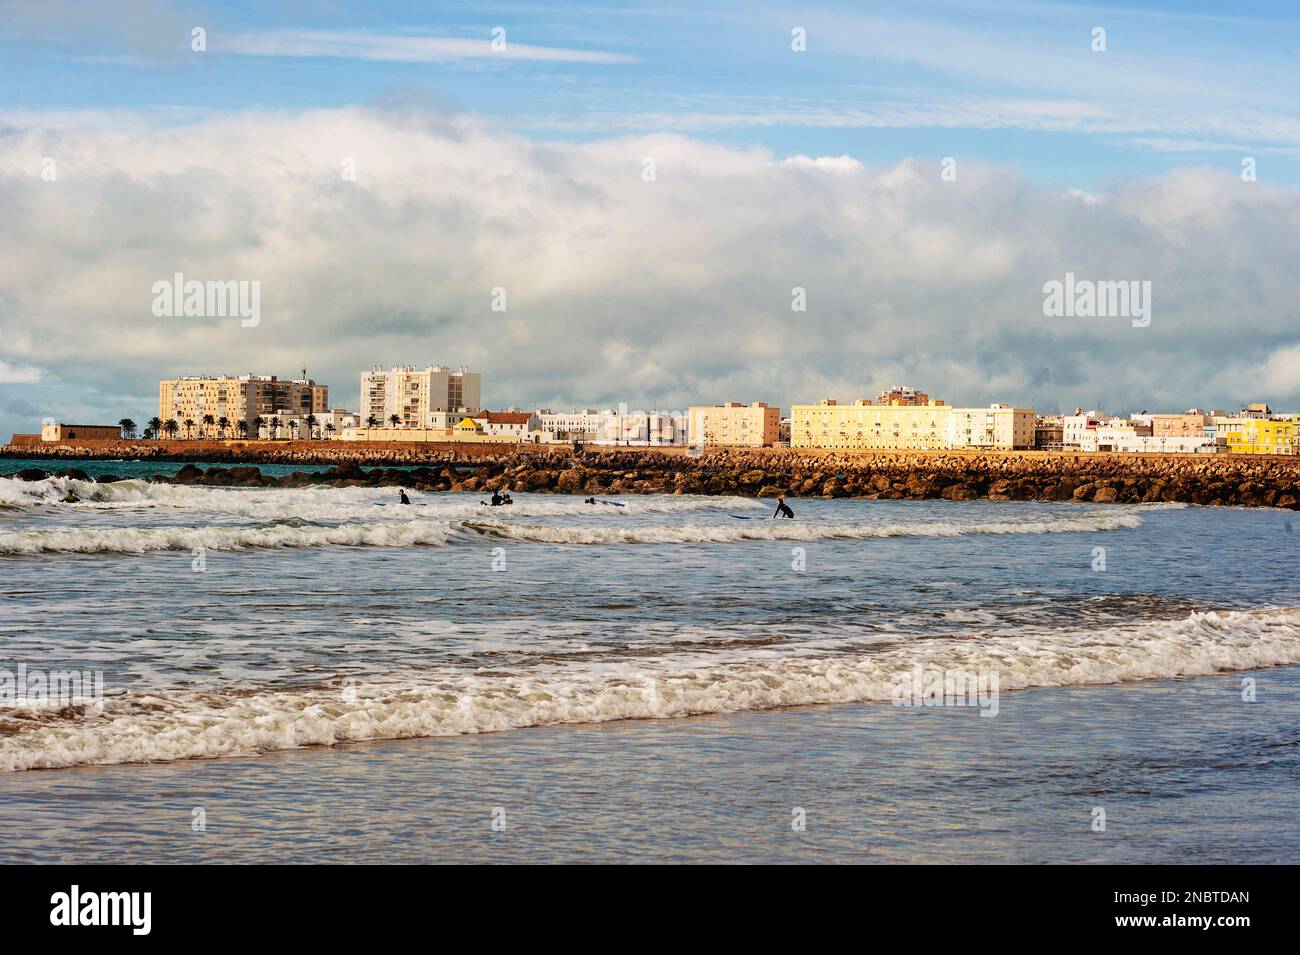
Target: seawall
{"x":1245,"y":480}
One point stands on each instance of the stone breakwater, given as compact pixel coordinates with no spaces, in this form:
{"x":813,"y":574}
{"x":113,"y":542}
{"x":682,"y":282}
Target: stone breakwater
{"x":1244,"y":480}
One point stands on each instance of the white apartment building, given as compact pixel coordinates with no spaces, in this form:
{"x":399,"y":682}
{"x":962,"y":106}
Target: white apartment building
{"x":419,"y":397}
{"x":998,"y":426}
{"x":611,"y":427}
{"x":1079,"y":430}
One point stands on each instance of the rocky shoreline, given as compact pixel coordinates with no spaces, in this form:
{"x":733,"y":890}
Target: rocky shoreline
{"x":1236,"y":480}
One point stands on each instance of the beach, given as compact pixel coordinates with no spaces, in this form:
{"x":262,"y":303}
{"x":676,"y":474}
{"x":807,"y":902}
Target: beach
{"x":328,"y":674}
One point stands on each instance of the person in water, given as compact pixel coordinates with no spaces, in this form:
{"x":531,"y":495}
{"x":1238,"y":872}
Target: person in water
{"x":782,"y":509}
{"x":590,"y":500}
{"x":507,"y":499}
{"x":402,"y":493}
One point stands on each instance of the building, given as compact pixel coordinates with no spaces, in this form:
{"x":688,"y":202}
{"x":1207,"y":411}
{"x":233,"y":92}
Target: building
{"x":1263,"y":436}
{"x":1079,"y":430}
{"x":237,"y":399}
{"x":611,"y":427}
{"x":734,"y":425}
{"x":419,"y":397}
{"x":515,"y":425}
{"x":998,"y":426}
{"x":80,"y":432}
{"x":863,"y":425}
{"x":1189,"y":424}
{"x":1049,"y":432}
{"x":322,"y":426}
{"x":902,"y":395}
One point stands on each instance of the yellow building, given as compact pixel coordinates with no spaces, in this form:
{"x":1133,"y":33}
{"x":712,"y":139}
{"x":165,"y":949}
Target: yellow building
{"x":238,"y":399}
{"x":1263,"y":436}
{"x":863,"y":425}
{"x":734,"y":425}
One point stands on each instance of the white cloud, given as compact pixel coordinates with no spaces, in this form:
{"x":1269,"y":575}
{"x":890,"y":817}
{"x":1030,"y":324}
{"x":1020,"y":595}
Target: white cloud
{"x":402,"y":48}
{"x":672,"y":291}
{"x":19,"y":374}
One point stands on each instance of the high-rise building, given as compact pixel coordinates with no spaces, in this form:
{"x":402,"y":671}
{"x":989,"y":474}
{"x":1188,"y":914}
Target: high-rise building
{"x":243,"y":398}
{"x":419,"y":397}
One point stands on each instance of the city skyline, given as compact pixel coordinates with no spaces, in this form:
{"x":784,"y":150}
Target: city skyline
{"x":830,"y":218}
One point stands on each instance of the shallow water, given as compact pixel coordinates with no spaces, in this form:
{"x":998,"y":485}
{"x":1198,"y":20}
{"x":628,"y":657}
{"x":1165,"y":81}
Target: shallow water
{"x":230,"y":623}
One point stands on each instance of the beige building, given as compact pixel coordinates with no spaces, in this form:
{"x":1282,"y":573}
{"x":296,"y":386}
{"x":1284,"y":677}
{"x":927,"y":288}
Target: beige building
{"x":245,"y":398}
{"x":734,"y":425}
{"x":1000,"y":427}
{"x":1189,"y":424}
{"x":420,"y":397}
{"x":80,"y":432}
{"x":863,"y":425}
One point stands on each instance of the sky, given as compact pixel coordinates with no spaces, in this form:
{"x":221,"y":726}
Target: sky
{"x":648,"y":190}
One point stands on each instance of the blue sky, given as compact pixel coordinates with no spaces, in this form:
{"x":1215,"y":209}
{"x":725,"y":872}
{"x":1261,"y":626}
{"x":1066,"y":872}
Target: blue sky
{"x":1017,"y":82}
{"x":520,"y":167}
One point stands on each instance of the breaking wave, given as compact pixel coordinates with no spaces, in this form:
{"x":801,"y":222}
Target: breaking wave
{"x":141,"y":727}
{"x":296,"y":532}
{"x":797,"y":531}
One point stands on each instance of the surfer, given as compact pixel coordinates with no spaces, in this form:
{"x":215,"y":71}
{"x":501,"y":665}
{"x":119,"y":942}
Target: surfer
{"x":782,"y":509}
{"x":402,"y":493}
{"x":590,"y":500}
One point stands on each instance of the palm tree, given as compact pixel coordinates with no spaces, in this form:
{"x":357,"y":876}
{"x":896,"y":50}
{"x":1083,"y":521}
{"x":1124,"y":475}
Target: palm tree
{"x":394,"y":420}
{"x":293,"y":430}
{"x":311,"y":426}
{"x":154,"y":428}
{"x":372,"y":422}
{"x":223,"y":423}
{"x":273,"y":427}
{"x":258,"y":422}
{"x":329,"y":429}
{"x":128,"y":427}
{"x":171,"y":427}
{"x":242,"y":427}
{"x":189,"y":427}
{"x":208,"y":422}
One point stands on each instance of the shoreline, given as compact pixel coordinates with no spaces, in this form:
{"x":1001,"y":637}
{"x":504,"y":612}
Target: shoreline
{"x":1231,"y":480}
{"x":1139,"y":740}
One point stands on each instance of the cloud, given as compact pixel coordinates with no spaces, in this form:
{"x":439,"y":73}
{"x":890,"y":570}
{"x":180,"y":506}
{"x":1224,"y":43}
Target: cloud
{"x":401,"y":48}
{"x":668,"y":292}
{"x":19,"y":375}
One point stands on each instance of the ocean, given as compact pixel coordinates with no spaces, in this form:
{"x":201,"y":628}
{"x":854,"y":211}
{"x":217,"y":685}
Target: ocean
{"x":323,"y":674}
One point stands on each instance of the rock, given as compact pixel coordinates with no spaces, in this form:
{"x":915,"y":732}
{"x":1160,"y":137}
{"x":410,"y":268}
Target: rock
{"x":1104,"y":495}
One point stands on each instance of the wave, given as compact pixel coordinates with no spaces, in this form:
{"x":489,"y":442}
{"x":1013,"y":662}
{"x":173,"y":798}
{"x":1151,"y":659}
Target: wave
{"x":137,"y":727}
{"x":796,"y":531}
{"x":292,"y":531}
{"x":285,"y":532}
{"x":328,"y":503}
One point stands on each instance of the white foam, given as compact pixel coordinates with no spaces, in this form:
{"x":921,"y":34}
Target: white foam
{"x":330,"y":503}
{"x":446,"y":702}
{"x":144,"y":540}
{"x":785,"y":530}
